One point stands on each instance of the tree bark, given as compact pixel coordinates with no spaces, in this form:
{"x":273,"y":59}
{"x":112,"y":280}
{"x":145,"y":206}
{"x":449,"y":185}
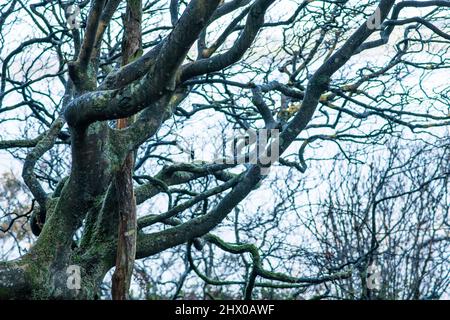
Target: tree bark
{"x":126,"y":244}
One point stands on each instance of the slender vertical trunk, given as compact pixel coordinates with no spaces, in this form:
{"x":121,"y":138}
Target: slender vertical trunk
{"x":126,"y":245}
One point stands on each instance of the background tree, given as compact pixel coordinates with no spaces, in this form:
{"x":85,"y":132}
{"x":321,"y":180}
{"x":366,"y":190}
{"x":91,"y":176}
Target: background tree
{"x":356,"y":89}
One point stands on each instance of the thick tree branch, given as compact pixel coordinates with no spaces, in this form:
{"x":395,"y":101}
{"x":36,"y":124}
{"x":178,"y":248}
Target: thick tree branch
{"x":255,"y":20}
{"x":121,"y":103}
{"x":44,"y":144}
{"x":90,"y":34}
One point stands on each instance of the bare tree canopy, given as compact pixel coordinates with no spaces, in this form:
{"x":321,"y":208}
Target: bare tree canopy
{"x":237,"y":149}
